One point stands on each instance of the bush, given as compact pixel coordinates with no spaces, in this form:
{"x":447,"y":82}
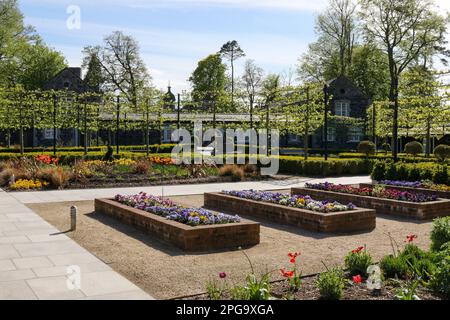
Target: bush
{"x":386,"y":147}
{"x":56,"y":176}
{"x":231,"y":170}
{"x":418,"y":261}
{"x":331,"y":284}
{"x":367,"y":147}
{"x":358,"y":261}
{"x":394,"y":267}
{"x":410,"y":171}
{"x":440,"y":280}
{"x":414,"y":148}
{"x":379,"y":171}
{"x":440,"y":233}
{"x":441,"y":175}
{"x":442,"y":152}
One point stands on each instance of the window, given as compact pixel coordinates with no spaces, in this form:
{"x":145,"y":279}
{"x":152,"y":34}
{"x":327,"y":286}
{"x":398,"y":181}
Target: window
{"x":355,"y":134}
{"x":342,"y":108}
{"x":331,"y":136}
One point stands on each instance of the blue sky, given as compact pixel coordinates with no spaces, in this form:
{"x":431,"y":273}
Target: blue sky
{"x":175,"y":34}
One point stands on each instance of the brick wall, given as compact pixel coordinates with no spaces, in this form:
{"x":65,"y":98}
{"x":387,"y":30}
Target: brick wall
{"x":187,"y":238}
{"x":421,"y":211}
{"x":348,"y":221}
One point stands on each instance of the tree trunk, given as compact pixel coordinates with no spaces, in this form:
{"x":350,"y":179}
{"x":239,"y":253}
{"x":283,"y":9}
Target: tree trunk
{"x":428,"y":139}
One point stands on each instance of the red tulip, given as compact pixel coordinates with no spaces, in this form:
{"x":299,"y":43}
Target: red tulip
{"x":357,"y":279}
{"x":410,"y":238}
{"x":357,"y":250}
{"x":287,"y":274}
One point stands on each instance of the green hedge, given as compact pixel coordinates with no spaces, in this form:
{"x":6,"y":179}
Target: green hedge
{"x":43,"y":150}
{"x":387,"y":170}
{"x":322,"y":168}
{"x":382,"y":156}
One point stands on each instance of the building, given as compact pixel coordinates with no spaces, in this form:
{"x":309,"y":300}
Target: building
{"x":349,"y":104}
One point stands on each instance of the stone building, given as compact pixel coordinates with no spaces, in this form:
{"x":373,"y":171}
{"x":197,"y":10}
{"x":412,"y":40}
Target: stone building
{"x":349,"y":104}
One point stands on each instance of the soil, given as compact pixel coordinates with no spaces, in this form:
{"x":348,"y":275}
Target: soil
{"x":309,"y":291}
{"x":167,"y":272}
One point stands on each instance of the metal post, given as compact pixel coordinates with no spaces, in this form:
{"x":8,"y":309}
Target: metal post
{"x":178,"y":111}
{"x":54,"y":124}
{"x":117,"y":125}
{"x":325,"y":139}
{"x":73,"y":218}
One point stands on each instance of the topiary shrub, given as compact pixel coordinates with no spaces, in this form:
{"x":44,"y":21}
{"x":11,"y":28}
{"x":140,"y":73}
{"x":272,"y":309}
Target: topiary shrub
{"x":440,"y":233}
{"x":379,"y":171}
{"x":442,"y":152}
{"x":414,"y":148}
{"x":441,"y":175}
{"x":357,"y":262}
{"x":367,"y":147}
{"x":331,"y":284}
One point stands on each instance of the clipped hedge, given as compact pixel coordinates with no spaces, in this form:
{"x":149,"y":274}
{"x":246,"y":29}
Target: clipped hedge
{"x":387,"y":170}
{"x":44,"y":150}
{"x":382,"y":156}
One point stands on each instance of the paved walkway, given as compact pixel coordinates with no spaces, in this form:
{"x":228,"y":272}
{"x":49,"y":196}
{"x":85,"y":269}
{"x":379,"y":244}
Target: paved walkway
{"x":174,"y":190}
{"x":34,"y":261}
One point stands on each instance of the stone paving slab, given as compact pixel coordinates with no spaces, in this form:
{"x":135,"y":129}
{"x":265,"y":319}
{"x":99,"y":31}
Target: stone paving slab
{"x":35,"y":256}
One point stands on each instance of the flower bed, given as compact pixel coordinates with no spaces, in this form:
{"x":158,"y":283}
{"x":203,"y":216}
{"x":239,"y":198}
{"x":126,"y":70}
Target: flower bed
{"x":374,"y":191}
{"x":297,"y":211}
{"x":296,"y":201}
{"x":168,"y":209}
{"x":384,"y":200}
{"x":425,"y":187}
{"x":190,"y":229}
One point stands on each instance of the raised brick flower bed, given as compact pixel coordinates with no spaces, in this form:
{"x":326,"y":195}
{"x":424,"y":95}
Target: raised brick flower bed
{"x":330,"y":222}
{"x":416,"y":210}
{"x":440,"y":194}
{"x":188,"y":238}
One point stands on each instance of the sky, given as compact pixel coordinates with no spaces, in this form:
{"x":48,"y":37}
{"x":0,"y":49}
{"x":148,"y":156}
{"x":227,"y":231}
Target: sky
{"x":175,"y":34}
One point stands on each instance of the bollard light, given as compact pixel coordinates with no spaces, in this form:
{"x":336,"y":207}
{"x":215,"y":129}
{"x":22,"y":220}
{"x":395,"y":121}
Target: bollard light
{"x":73,"y":218}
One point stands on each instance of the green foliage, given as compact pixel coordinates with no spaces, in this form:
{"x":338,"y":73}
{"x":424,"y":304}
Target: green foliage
{"x":442,"y":152}
{"x":367,"y":147}
{"x":322,"y":168}
{"x":331,"y":284}
{"x":408,"y":292}
{"x":411,"y":172}
{"x":440,"y":281}
{"x":358,"y":262}
{"x":214,"y":291}
{"x":254,"y":290}
{"x":394,"y":267}
{"x":418,"y":261}
{"x":414,"y":148}
{"x":440,"y":233}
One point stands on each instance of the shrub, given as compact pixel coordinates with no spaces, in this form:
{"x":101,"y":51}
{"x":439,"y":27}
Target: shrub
{"x":440,"y":233}
{"x":231,"y":170}
{"x":394,"y":267}
{"x":440,"y":280}
{"x":378,"y":172}
{"x":141,"y":166}
{"x":357,"y":262}
{"x":367,"y":147}
{"x":331,"y":284}
{"x":442,"y":152}
{"x":253,"y":290}
{"x":418,"y":261}
{"x":56,"y":176}
{"x":414,"y":148}
{"x":441,"y":175}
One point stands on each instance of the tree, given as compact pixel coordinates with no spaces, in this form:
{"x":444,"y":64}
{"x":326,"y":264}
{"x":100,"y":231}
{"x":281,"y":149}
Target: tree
{"x":331,"y":55}
{"x":123,"y":67}
{"x":252,"y":80}
{"x":403,"y":29}
{"x":208,"y":81}
{"x":338,"y":25}
{"x":95,"y":78}
{"x":232,"y":51}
